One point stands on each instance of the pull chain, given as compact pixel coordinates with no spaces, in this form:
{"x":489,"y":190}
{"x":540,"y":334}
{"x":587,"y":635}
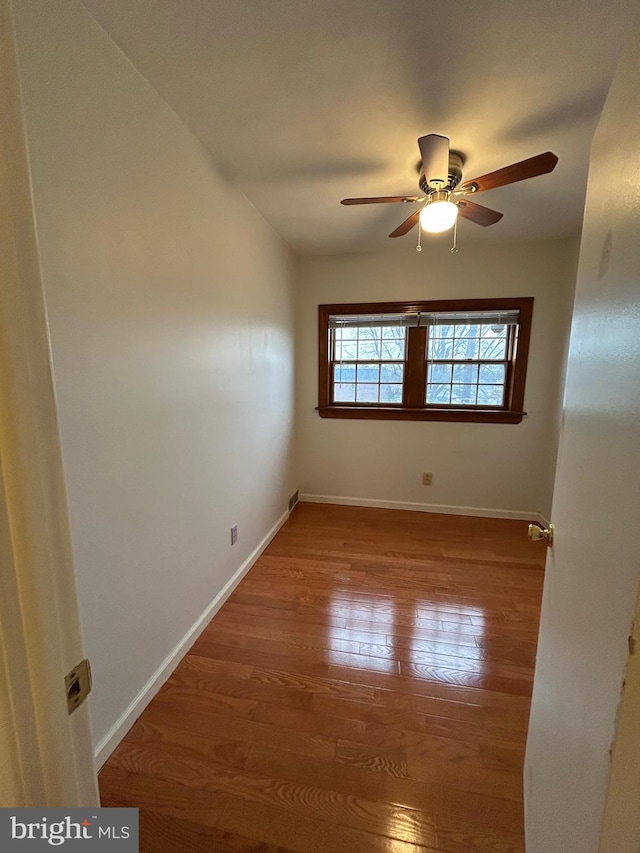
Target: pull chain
{"x":419,"y":246}
{"x":454,"y":248}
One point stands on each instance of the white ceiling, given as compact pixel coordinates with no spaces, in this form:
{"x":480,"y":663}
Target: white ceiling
{"x":304,"y":102}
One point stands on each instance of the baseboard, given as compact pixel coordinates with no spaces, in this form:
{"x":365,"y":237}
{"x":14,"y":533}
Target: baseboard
{"x":482,"y":512}
{"x":117,"y":732}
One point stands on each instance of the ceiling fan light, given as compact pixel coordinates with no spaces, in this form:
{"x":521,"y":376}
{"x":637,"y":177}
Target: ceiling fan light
{"x":438,"y":216}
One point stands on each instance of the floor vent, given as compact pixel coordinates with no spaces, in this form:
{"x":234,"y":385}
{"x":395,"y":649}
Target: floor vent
{"x":293,"y":500}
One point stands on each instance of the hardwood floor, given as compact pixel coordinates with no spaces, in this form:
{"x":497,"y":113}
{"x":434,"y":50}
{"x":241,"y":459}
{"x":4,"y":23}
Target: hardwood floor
{"x":366,"y":688}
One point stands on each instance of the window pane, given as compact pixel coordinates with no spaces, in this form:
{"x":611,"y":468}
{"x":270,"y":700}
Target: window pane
{"x":346,"y":333}
{"x":367,"y":393}
{"x":368,"y":373}
{"x":494,"y":331}
{"x":345,"y":351}
{"x":463,"y":395}
{"x":439,"y":373}
{"x":465,"y":373}
{"x":440,"y":331}
{"x":492,"y":373}
{"x":391,"y":349}
{"x":391,"y":393}
{"x":345,"y":393}
{"x":493,"y":348}
{"x":344,"y":373}
{"x":391,"y":372}
{"x":467,"y":331}
{"x":368,"y":349}
{"x":397,"y":332}
{"x":490,"y":395}
{"x":439,"y":394}
{"x":465,"y":348}
{"x":440,"y":348}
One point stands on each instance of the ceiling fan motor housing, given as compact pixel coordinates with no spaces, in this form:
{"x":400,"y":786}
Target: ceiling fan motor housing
{"x":456,"y":162}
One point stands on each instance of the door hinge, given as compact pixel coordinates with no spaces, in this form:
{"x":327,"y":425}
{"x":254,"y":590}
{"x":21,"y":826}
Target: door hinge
{"x":78,"y":685}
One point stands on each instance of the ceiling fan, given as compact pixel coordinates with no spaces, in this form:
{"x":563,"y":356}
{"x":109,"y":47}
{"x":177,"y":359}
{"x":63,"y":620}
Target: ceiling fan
{"x":446,"y":195}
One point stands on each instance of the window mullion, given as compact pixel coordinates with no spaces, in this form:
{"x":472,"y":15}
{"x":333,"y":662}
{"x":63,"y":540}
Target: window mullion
{"x":416,"y":370}
{"x":510,"y":366}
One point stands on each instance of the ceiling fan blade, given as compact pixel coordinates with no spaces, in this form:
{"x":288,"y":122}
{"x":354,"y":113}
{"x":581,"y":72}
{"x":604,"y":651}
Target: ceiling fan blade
{"x":384,"y":199}
{"x":542,"y":164}
{"x":435,"y":158}
{"x":477,"y":213}
{"x":407,"y":225}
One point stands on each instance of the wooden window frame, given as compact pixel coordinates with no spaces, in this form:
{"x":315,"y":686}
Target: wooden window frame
{"x":413,"y":407}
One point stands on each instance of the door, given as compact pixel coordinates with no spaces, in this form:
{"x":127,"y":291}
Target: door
{"x":46,"y":755}
{"x":593,"y":566}
{"x":621,"y":825}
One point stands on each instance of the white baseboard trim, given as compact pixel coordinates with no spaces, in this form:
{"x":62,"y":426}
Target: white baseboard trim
{"x":482,"y":512}
{"x":120,"y":728}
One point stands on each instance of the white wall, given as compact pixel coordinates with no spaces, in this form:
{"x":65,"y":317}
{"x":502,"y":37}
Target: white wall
{"x":171,"y":324}
{"x":496,"y":466}
{"x":593,"y":570}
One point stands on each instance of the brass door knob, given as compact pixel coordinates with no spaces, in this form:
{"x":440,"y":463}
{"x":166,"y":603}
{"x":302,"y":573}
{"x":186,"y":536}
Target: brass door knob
{"x":538,"y":532}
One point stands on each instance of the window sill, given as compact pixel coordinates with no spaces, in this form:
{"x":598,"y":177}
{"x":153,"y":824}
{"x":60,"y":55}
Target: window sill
{"x":483,"y":416}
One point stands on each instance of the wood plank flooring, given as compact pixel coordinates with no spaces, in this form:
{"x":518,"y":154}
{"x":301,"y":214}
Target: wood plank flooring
{"x":365,"y":689}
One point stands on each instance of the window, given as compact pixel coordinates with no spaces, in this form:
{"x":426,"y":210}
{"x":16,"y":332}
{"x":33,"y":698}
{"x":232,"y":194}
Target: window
{"x":447,"y":360}
{"x":368,"y":361}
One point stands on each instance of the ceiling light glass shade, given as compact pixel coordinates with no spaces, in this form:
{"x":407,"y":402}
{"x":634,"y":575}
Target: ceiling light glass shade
{"x":438,"y":216}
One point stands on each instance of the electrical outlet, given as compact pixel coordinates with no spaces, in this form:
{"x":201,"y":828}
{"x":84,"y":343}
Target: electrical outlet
{"x":427,"y":478}
{"x":234,"y":534}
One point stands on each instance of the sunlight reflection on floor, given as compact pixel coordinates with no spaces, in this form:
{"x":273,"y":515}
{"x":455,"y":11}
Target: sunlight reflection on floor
{"x":453,"y":654}
{"x":430,"y":640}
